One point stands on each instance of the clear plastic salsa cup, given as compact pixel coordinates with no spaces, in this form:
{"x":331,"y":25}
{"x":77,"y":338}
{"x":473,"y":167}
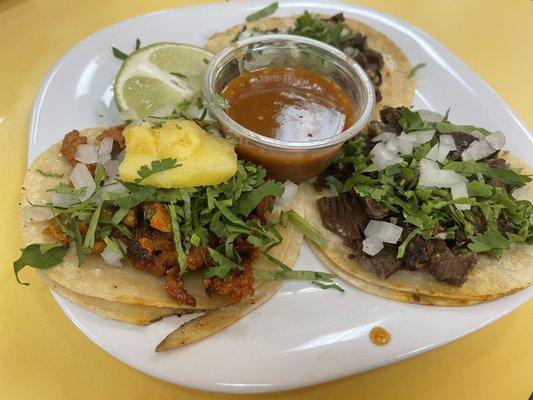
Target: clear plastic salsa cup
{"x":285,"y":160}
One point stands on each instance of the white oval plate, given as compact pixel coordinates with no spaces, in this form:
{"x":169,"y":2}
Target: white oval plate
{"x":304,"y":335}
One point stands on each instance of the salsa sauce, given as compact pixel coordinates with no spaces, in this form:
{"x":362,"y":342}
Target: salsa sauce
{"x":289,"y":104}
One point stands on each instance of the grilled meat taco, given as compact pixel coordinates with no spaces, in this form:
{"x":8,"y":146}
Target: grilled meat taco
{"x":384,"y":63}
{"x":139,"y":222}
{"x":424,"y":207}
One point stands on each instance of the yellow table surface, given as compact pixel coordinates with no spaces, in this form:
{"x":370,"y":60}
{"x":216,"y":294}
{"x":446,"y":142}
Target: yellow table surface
{"x":42,"y":354}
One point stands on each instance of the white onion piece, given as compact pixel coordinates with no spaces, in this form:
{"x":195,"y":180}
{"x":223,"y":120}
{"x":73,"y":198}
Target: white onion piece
{"x":448,"y":140}
{"x":443,"y":152}
{"x":459,"y":191}
{"x":430,"y":116}
{"x":441,"y":235}
{"x":114,"y":186}
{"x":288,"y":196}
{"x":411,"y":137}
{"x":384,"y":231}
{"x":128,"y":115}
{"x":37,"y":213}
{"x":383,"y":160}
{"x":477,"y":150}
{"x":372,"y":245}
{"x":520,"y":193}
{"x":424,"y":136}
{"x":433,"y":154}
{"x":496,"y":140}
{"x":405,"y":147}
{"x":121,"y":156}
{"x":81,"y":177}
{"x":477,"y":134}
{"x":384,"y":136}
{"x":432,"y":176}
{"x":112,"y":257}
{"x":104,"y":151}
{"x":87,"y":153}
{"x":63,"y":200}
{"x":429,"y":164}
{"x":111,"y":168}
{"x":392,"y":145}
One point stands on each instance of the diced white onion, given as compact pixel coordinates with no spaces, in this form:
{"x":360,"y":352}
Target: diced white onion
{"x":432,"y":176}
{"x":443,"y":152}
{"x":128,"y":115}
{"x":81,"y":177}
{"x":496,"y":140}
{"x":520,"y":193}
{"x":405,"y":146}
{"x":384,"y":136}
{"x":433,"y":154}
{"x":477,"y":150}
{"x":87,"y":153}
{"x":392,"y":145}
{"x":382,"y":157}
{"x":477,"y":134}
{"x":112,"y":257}
{"x":288,"y":196}
{"x":121,"y":155}
{"x":63,"y":200}
{"x":411,"y":137}
{"x":111,"y":168}
{"x":37,"y":213}
{"x":459,"y":191}
{"x":441,"y":235}
{"x":114,"y":186}
{"x":424,"y":136}
{"x":104,"y":151}
{"x":384,"y":231}
{"x":372,"y":245}
{"x":448,"y":140}
{"x":430,"y":116}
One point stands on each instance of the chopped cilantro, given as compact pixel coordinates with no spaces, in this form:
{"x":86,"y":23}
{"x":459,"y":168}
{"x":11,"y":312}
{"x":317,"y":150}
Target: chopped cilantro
{"x":263,"y":13}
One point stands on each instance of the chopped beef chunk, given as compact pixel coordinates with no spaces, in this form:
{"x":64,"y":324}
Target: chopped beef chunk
{"x":141,"y":258}
{"x":462,"y":141}
{"x":374,"y":209}
{"x":392,"y":116}
{"x":237,"y":287}
{"x":197,"y":257}
{"x":418,"y":253}
{"x":385,"y":262}
{"x":70,"y":146}
{"x":343,"y":215}
{"x":339,"y":171}
{"x":115,"y":133}
{"x":461,"y":239}
{"x":176,"y":289}
{"x":504,"y":226}
{"x":337,"y":18}
{"x":131,"y":219}
{"x":497,"y":183}
{"x":497,"y":162}
{"x":158,"y":216}
{"x":480,"y":222}
{"x":54,"y":231}
{"x":263,"y":209}
{"x":445,"y":266}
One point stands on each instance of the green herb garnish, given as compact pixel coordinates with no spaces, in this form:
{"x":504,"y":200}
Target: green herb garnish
{"x":220,"y":101}
{"x":263,"y":13}
{"x":49,"y":174}
{"x":40,"y":256}
{"x":414,"y":70}
{"x":119,"y":54}
{"x":155,"y":167}
{"x":306,"y":228}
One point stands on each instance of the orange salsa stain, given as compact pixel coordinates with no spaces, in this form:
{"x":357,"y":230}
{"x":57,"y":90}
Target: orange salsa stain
{"x":289,"y":104}
{"x":379,"y":336}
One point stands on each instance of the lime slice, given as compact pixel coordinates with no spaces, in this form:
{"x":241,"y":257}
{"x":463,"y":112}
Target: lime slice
{"x":155,"y":79}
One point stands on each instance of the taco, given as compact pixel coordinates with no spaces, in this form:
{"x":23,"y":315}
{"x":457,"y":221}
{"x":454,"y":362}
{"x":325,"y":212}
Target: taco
{"x":419,"y":206}
{"x":385,"y":64}
{"x":116,"y":221}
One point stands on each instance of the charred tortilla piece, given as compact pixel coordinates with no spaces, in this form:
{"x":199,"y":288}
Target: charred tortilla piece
{"x":448,"y":267}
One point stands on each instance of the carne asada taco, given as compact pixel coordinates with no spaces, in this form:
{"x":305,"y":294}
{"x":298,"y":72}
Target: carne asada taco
{"x":385,"y":64}
{"x":426,"y":211}
{"x":198,"y":228}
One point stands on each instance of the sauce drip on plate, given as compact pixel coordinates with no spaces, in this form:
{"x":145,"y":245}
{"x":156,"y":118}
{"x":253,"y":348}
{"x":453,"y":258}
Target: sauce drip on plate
{"x":289,"y":104}
{"x":379,"y":336}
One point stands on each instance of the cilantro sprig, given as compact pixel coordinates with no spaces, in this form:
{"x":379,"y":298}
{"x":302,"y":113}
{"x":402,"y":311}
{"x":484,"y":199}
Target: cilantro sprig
{"x":155,"y":167}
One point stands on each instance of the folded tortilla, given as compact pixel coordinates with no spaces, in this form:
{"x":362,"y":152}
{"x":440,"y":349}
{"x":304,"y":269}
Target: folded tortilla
{"x":488,"y":280}
{"x":396,"y":89}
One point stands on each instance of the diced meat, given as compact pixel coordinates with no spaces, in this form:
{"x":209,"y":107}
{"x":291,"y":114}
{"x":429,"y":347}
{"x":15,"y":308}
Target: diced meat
{"x":131,"y":219}
{"x":385,"y":262}
{"x":158,"y":240}
{"x":462,"y":141}
{"x":115,"y":133}
{"x":480,"y":222}
{"x":247,"y":251}
{"x":158,"y":216}
{"x":504,"y":226}
{"x":418,"y":254}
{"x":237,"y":287}
{"x":176,"y":289}
{"x":374,"y":209}
{"x":70,"y":146}
{"x":497,"y":162}
{"x":263,"y":209}
{"x":197,"y":257}
{"x":445,"y":266}
{"x":55,"y":232}
{"x":98,"y":247}
{"x":392,"y":116}
{"x":144,"y":260}
{"x":337,"y":18}
{"x":497,"y":183}
{"x":343,"y":216}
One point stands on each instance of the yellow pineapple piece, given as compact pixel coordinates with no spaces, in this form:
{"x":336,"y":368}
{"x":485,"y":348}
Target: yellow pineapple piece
{"x":205,"y":159}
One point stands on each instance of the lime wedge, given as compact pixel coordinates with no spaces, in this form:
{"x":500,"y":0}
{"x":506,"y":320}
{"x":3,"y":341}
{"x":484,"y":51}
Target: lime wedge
{"x":155,"y":79}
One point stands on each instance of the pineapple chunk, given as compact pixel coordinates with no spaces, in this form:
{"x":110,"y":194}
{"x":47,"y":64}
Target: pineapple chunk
{"x":205,"y":159}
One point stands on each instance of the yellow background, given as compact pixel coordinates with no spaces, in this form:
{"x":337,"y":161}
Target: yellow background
{"x":43,"y":356}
